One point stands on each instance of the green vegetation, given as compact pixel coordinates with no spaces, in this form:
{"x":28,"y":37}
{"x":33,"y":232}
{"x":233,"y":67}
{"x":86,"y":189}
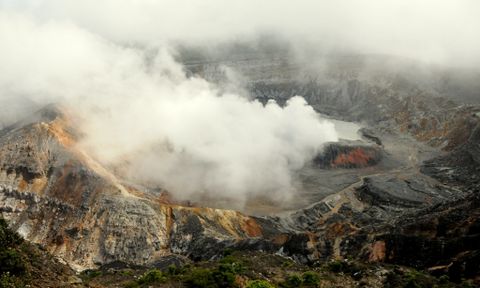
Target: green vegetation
{"x":235,"y":269}
{"x":12,"y":262}
{"x":311,"y":278}
{"x":259,"y":284}
{"x":411,"y":278}
{"x":444,"y":279}
{"x":13,"y":266}
{"x":201,"y":278}
{"x":415,"y":279}
{"x":224,"y":275}
{"x":336,"y":266}
{"x":307,"y":279}
{"x":150,"y":277}
{"x":261,"y":270}
{"x":22,"y":263}
{"x":348,"y":267}
{"x":292,"y":281}
{"x":10,"y":281}
{"x":8,"y":238}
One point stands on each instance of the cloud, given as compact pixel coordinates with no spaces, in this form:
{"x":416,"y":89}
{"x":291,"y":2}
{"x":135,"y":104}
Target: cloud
{"x":111,"y":62}
{"x":443,"y":32}
{"x":139,"y":110}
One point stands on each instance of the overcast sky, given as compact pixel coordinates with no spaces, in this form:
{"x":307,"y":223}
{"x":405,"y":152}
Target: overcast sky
{"x":441,"y":31}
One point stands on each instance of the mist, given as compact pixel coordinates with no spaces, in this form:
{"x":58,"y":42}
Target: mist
{"x":140,"y":112}
{"x":442,"y":32}
{"x":114,"y":64}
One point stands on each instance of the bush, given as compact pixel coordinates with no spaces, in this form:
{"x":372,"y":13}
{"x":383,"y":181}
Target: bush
{"x":287,"y":263}
{"x":444,"y":279}
{"x":259,"y":284}
{"x":201,"y":278}
{"x":293,"y":281}
{"x":11,"y":261}
{"x":8,"y":238}
{"x":227,"y":270}
{"x":234,"y":267}
{"x":151,"y":276}
{"x":353,"y":269}
{"x":9,"y":281}
{"x":311,"y":278}
{"x":337,"y":266}
{"x":224,"y":278}
{"x":173,"y":270}
{"x":416,"y":279}
{"x":229,"y":259}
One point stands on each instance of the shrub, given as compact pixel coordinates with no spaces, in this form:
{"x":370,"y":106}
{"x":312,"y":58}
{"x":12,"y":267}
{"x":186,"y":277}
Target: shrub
{"x":311,"y":278}
{"x":229,"y":259}
{"x":416,"y":279}
{"x":227,"y":270}
{"x":224,"y":278}
{"x":234,"y":267}
{"x":287,"y":263}
{"x":151,"y":276}
{"x":337,"y":266}
{"x":8,"y":238}
{"x":444,"y":279}
{"x":293,"y":281}
{"x":353,"y":269}
{"x":201,"y":278}
{"x":259,"y":284}
{"x":11,"y":261}
{"x":9,"y":281}
{"x":173,"y":270}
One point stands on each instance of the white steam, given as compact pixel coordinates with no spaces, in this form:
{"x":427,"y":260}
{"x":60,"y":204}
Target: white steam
{"x":139,"y":109}
{"x":110,"y":61}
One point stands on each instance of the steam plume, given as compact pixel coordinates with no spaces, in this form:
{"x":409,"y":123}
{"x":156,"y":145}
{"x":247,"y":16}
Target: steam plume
{"x":175,"y":131}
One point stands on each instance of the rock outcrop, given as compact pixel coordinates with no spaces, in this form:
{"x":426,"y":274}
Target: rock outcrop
{"x":54,"y":194}
{"x":348,"y":155}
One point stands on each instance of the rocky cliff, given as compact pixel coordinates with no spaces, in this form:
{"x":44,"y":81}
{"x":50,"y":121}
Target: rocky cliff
{"x":54,"y":194}
{"x":406,"y":193}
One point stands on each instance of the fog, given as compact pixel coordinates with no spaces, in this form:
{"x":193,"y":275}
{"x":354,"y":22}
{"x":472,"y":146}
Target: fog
{"x":444,"y":31}
{"x":163,"y":128}
{"x":113,"y":63}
